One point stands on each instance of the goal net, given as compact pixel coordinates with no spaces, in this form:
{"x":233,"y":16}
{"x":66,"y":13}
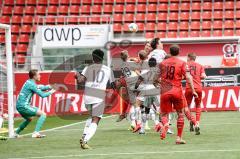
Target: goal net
{"x":6,"y":83}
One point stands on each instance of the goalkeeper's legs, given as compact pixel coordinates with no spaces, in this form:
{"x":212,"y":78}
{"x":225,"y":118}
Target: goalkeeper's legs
{"x":23,"y":125}
{"x":40,"y":122}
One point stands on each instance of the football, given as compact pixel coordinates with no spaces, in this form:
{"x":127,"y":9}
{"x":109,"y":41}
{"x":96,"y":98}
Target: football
{"x":133,"y":27}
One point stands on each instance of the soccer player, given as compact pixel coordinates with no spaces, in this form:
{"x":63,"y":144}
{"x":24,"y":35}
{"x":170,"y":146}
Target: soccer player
{"x":171,"y":72}
{"x":95,"y":77}
{"x":158,"y":53}
{"x":197,"y":71}
{"x":23,"y":103}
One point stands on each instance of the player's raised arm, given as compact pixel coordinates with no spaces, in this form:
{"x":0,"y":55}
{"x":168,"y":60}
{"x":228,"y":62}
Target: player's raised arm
{"x":39,"y":92}
{"x":44,"y":87}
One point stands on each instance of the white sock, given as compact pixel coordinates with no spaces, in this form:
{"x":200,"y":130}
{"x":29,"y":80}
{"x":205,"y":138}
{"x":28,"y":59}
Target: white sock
{"x":1,"y":122}
{"x":88,"y":122}
{"x":91,"y":131}
{"x":143,"y":123}
{"x":132,"y":116}
{"x":138,"y":115}
{"x":154,"y":117}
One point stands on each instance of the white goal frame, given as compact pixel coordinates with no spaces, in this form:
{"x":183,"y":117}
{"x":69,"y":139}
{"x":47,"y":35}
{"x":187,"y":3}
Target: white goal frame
{"x":9,"y":58}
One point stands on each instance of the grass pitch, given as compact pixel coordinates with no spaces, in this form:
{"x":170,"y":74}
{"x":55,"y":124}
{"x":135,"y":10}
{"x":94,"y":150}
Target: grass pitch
{"x":219,"y":139}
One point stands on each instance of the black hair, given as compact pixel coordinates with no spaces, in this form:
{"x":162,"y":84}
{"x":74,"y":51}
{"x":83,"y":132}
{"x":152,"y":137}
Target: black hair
{"x":174,"y":50}
{"x":154,"y":43}
{"x":152,"y":62}
{"x":97,"y":55}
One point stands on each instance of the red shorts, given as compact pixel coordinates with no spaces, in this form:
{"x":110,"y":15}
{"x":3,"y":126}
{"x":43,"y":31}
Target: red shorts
{"x":189,"y":97}
{"x":172,"y":101}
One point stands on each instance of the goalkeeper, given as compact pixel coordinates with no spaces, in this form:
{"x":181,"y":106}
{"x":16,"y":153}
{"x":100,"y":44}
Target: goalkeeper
{"x":23,"y":103}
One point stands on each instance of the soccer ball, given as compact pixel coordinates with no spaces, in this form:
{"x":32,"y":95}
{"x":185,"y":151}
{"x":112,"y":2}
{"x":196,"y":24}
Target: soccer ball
{"x":5,"y":116}
{"x":133,"y":27}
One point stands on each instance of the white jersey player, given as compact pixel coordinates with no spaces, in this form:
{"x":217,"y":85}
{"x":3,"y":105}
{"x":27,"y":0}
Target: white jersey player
{"x":158,"y":53}
{"x":96,"y":78}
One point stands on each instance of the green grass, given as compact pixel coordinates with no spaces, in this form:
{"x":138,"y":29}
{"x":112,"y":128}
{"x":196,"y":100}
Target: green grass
{"x":218,"y":140}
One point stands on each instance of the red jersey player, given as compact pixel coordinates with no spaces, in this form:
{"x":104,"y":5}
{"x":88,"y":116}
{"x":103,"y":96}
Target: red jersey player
{"x":171,"y":72}
{"x":197,"y":71}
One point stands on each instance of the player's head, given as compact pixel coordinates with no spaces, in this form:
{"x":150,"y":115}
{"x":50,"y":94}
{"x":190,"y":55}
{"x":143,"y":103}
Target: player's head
{"x":156,"y":44}
{"x":191,"y":57}
{"x":97,"y":56}
{"x":142,"y":54}
{"x":34,"y":74}
{"x":174,"y":50}
{"x":152,"y":62}
{"x":124,"y":55}
{"x":148,"y":47}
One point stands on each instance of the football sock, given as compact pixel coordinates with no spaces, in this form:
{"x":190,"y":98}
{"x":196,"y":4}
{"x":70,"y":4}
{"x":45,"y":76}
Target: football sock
{"x":190,"y":117}
{"x":132,"y":115}
{"x":138,"y":115}
{"x":40,"y":122}
{"x":143,"y":123}
{"x":198,"y":113}
{"x":22,"y":126}
{"x":90,"y":132}
{"x":180,"y":125}
{"x":88,"y":122}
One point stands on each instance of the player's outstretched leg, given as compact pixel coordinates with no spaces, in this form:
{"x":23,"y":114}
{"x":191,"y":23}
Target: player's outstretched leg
{"x":22,"y":126}
{"x":40,"y":122}
{"x":180,"y":126}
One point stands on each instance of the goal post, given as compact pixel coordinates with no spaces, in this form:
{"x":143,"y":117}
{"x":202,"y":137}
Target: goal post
{"x":10,"y":80}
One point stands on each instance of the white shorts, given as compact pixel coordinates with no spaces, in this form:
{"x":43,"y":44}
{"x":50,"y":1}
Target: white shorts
{"x":96,"y":109}
{"x":131,"y":94}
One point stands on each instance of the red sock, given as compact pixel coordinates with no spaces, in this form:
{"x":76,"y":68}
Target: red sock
{"x":198,"y":113}
{"x":164,"y":120}
{"x":180,"y":125}
{"x":190,"y":117}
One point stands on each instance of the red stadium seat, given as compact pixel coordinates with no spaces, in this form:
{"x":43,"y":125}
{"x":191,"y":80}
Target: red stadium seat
{"x":141,"y":8}
{"x":218,"y":15}
{"x":162,"y":17}
{"x":41,"y":10}
{"x":196,"y":6}
{"x":85,"y":9}
{"x":174,"y":7}
{"x":54,"y":2}
{"x":107,"y":9}
{"x":23,"y":39}
{"x":105,"y":19}
{"x":72,"y":20}
{"x":195,"y":16}
{"x":82,"y":20}
{"x":118,"y":8}
{"x":130,"y":1}
{"x":206,"y":25}
{"x":150,"y":27}
{"x":95,"y":19}
{"x":163,"y":1}
{"x":75,"y":2}
{"x":237,"y":14}
{"x":117,"y":18}
{"x":8,"y":3}
{"x":217,"y":33}
{"x":218,"y":6}
{"x":206,"y":33}
{"x":20,"y":2}
{"x":238,"y":32}
{"x":96,"y":9}
{"x":63,"y":10}
{"x":60,"y":20}
{"x":207,"y":15}
{"x":6,"y":10}
{"x":27,"y":20}
{"x":229,"y":24}
{"x":229,"y":15}
{"x":16,"y":20}
{"x":173,"y":16}
{"x":125,"y":27}
{"x":162,"y":7}
{"x":74,"y":10}
{"x":117,"y":28}
{"x":228,"y":32}
{"x":42,"y":2}
{"x":183,"y":34}
{"x":162,"y":26}
{"x":172,"y":26}
{"x":52,"y":10}
{"x":172,"y":34}
{"x":50,"y":20}
{"x":194,"y":34}
{"x":119,"y":1}
{"x":38,"y":20}
{"x":185,"y":6}
{"x":237,"y":24}
{"x":161,"y":34}
{"x":15,"y":29}
{"x":130,"y":8}
{"x":29,"y":10}
{"x":34,"y":29}
{"x":183,"y":26}
{"x":151,"y":17}
{"x":142,"y":1}
{"x":20,"y":59}
{"x":184,"y":16}
{"x":140,"y":17}
{"x":14,"y":39}
{"x":18,"y":10}
{"x":238,"y":5}
{"x":21,"y":48}
{"x":152,"y":8}
{"x":88,"y":2}
{"x":195,"y":25}
{"x":31,"y":2}
{"x":229,"y":5}
{"x":98,"y":2}
{"x":129,"y":17}
{"x":149,"y":35}
{"x":141,"y":27}
{"x":64,"y":2}
{"x":152,"y":1}
{"x":207,"y":6}
{"x":217,"y":25}
{"x":26,"y":29}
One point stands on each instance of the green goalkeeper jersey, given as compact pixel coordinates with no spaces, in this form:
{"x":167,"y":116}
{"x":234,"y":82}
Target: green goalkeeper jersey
{"x":27,"y":91}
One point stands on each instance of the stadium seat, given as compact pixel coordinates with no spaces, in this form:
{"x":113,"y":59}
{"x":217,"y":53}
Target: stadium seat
{"x":163,"y":1}
{"x":141,"y":8}
{"x":74,"y":10}
{"x":162,"y":7}
{"x":229,"y":24}
{"x":149,"y":35}
{"x":85,"y":9}
{"x":207,"y":6}
{"x":118,"y":8}
{"x":34,"y":29}
{"x":162,"y":26}
{"x":196,"y":6}
{"x":152,"y":8}
{"x":95,"y":19}
{"x":29,"y":10}
{"x":237,"y":14}
{"x":129,"y":17}
{"x":173,"y":16}
{"x":238,"y":32}
{"x":63,"y":10}
{"x":130,"y":8}
{"x":75,"y":2}
{"x":6,"y":10}
{"x":8,"y":3}
{"x":98,"y":2}
{"x":27,"y":20}
{"x":38,"y":20}
{"x":64,"y":2}
{"x":72,"y":20}
{"x":229,"y":15}
{"x":21,"y":48}
{"x":60,"y":20}
{"x":26,"y":29}
{"x":53,"y":2}
{"x":173,"y":7}
{"x":117,"y":18}
{"x":105,"y":19}
{"x":141,"y":27}
{"x":217,"y":25}
{"x":142,"y":1}
{"x":140,"y":17}
{"x":150,"y":27}
{"x":42,"y":2}
{"x":162,"y":17}
{"x":195,"y":16}
{"x":50,"y":20}
{"x":172,"y":26}
{"x":108,"y":9}
{"x":218,"y":15}
{"x":185,"y":6}
{"x":20,"y":59}
{"x":152,"y":1}
{"x":82,"y":20}
{"x":151,"y":17}
{"x":206,"y":33}
{"x":183,"y":34}
{"x":238,"y":5}
{"x":237,"y":24}
{"x":41,"y":10}
{"x":195,"y":25}
{"x":161,"y":34}
{"x":207,"y":15}
{"x":184,"y":16}
{"x":15,"y":29}
{"x":119,"y":1}
{"x":31,"y":2}
{"x":14,"y":39}
{"x":217,"y":33}
{"x":117,"y":28}
{"x":20,"y":2}
{"x":172,"y":34}
{"x":18,"y":10}
{"x":229,"y":5}
{"x":125,"y":27}
{"x":194,"y":34}
{"x":218,"y":6}
{"x":52,"y":10}
{"x":16,"y":20}
{"x":183,"y":26}
{"x":228,"y":32}
{"x":206,"y":25}
{"x":96,"y":9}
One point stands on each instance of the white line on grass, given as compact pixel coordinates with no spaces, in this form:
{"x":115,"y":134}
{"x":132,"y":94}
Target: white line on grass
{"x":132,"y":153}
